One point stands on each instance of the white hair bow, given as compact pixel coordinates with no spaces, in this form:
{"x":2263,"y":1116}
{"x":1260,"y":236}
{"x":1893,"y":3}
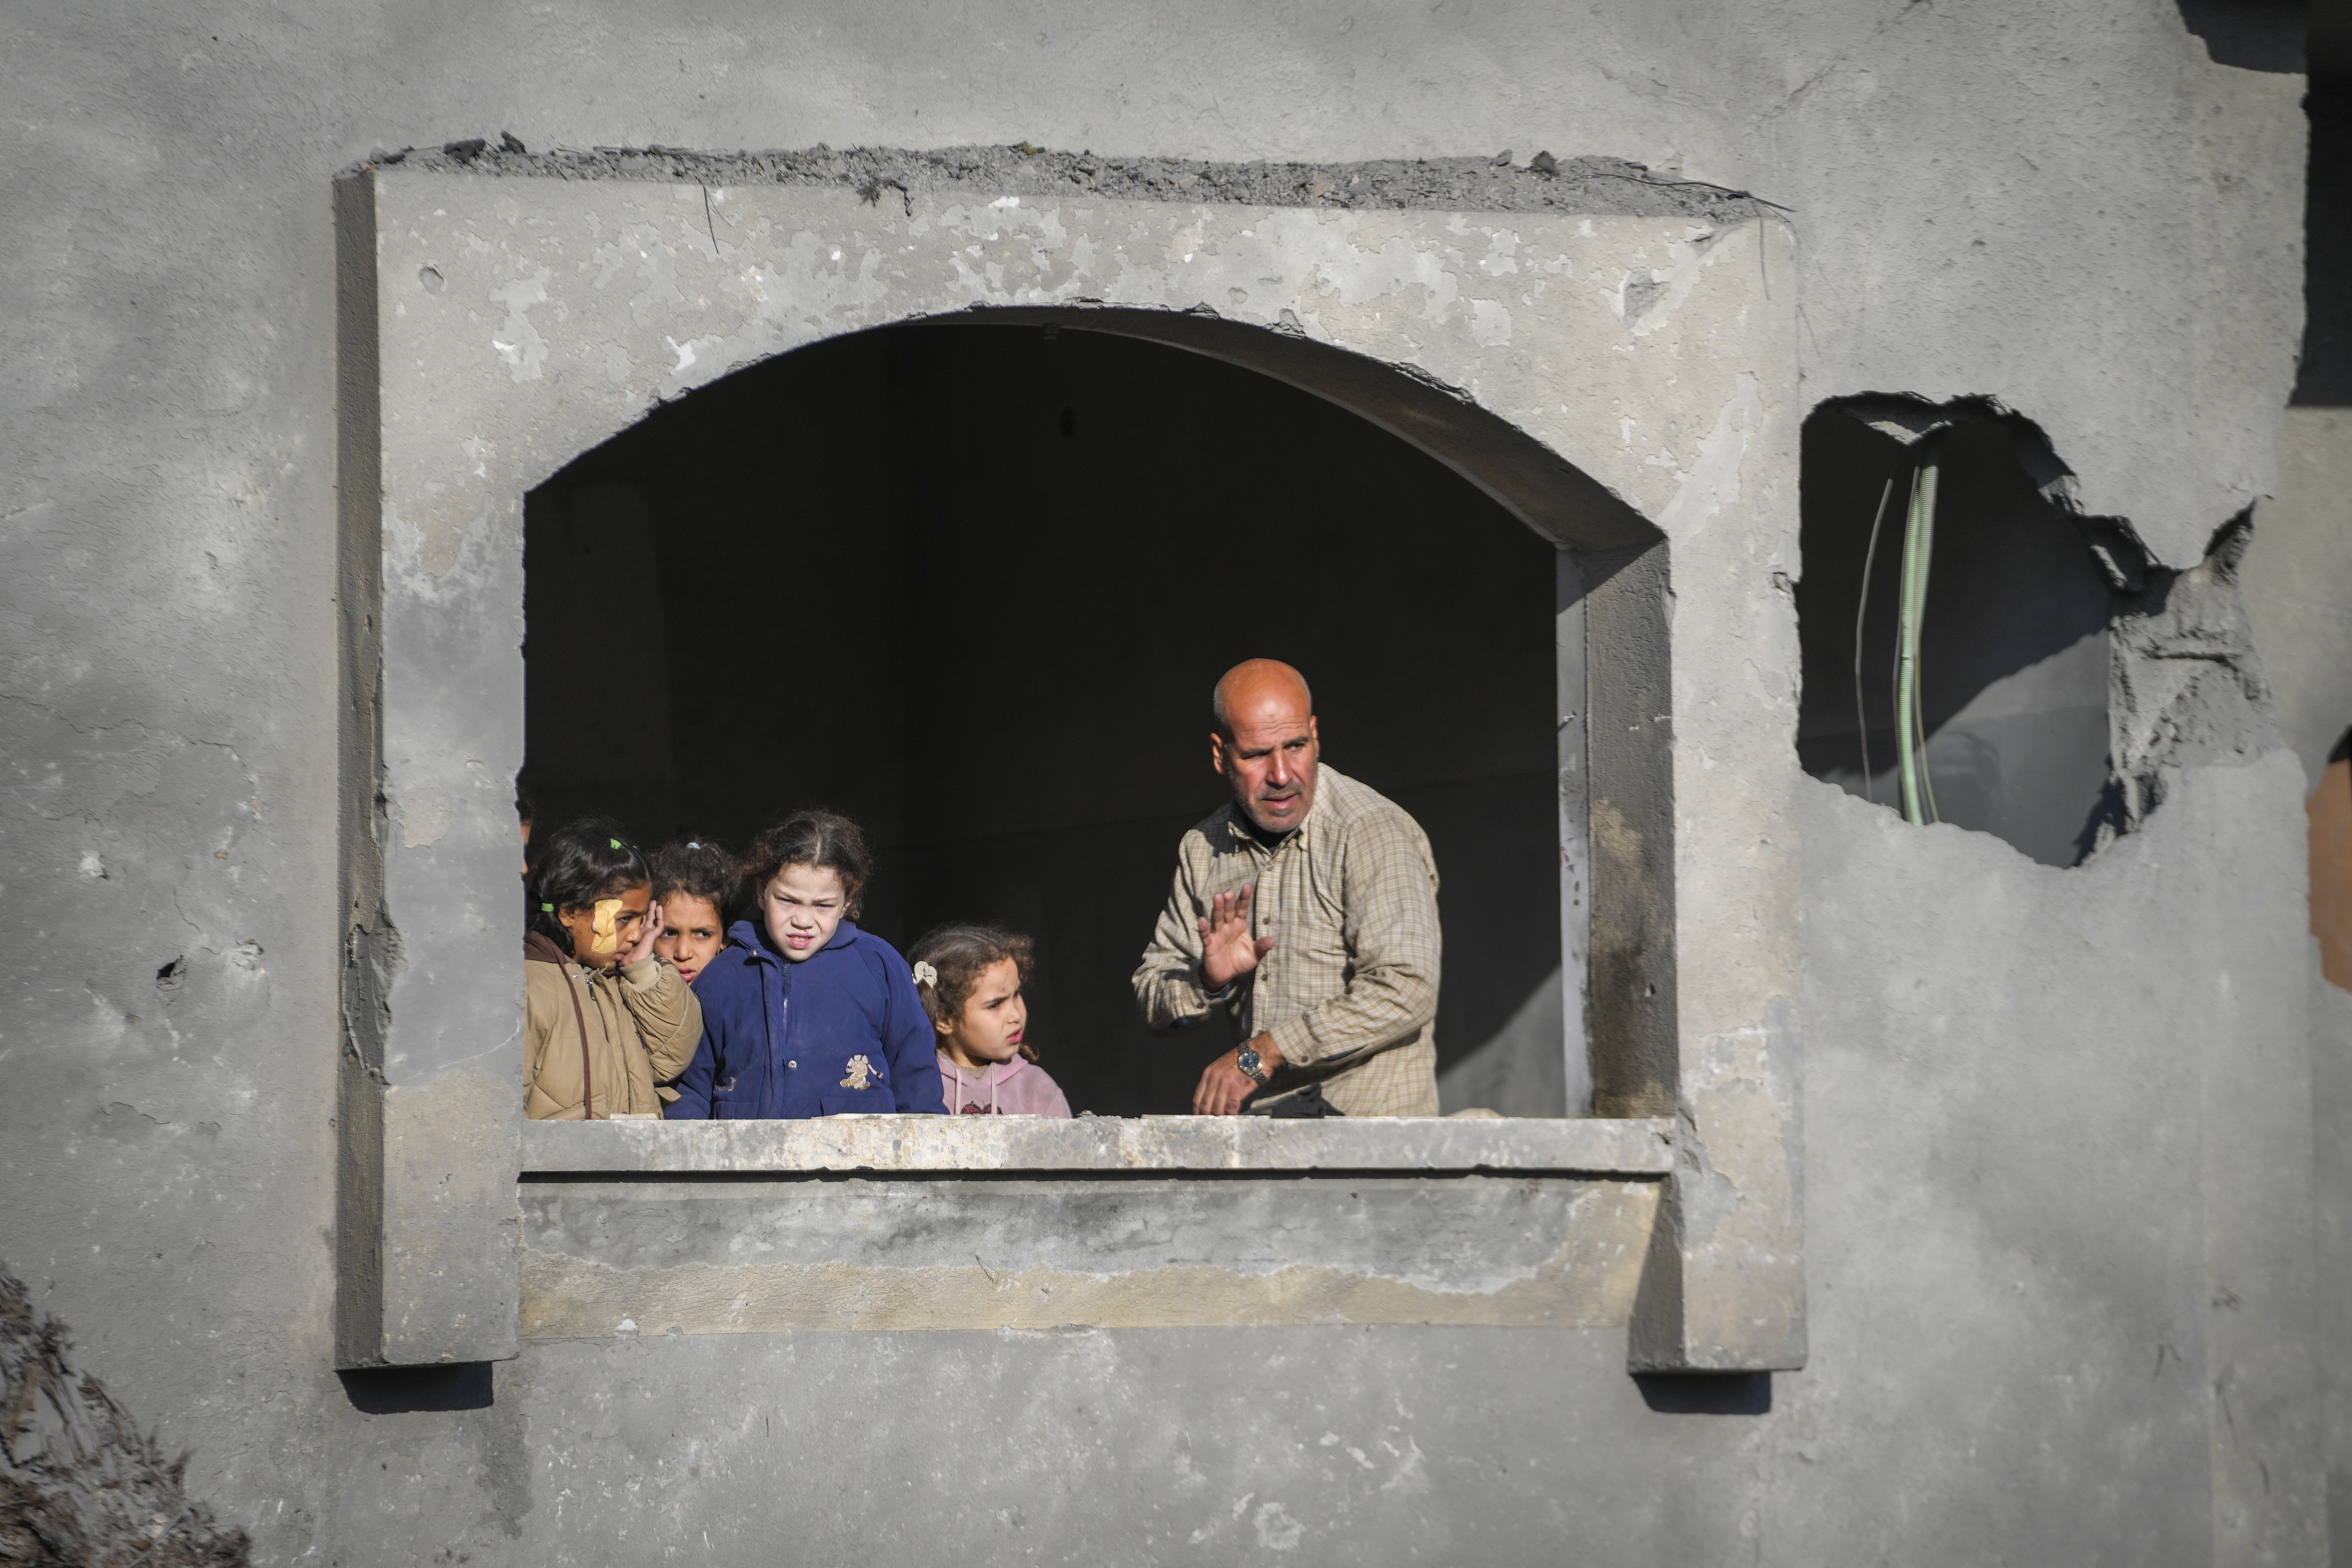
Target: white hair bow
{"x":924,"y":974}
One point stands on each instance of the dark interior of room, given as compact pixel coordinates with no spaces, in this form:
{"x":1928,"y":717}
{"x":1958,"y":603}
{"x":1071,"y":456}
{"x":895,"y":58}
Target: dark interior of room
{"x":2014,"y":648}
{"x":972,"y":584}
{"x":2323,"y":375}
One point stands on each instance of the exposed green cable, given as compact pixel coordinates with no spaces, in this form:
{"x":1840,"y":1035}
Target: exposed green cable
{"x":1861,"y":619}
{"x":1918,"y":545}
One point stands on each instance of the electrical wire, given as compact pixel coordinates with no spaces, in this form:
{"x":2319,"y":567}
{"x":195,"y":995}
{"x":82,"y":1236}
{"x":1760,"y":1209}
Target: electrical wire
{"x":1860,"y":614}
{"x":1919,"y":547}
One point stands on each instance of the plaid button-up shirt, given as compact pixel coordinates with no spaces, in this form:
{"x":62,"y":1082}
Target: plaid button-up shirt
{"x":1349,"y":990}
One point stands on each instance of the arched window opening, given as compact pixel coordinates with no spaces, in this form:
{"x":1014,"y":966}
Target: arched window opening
{"x":972,"y":584}
{"x":2010,"y":735}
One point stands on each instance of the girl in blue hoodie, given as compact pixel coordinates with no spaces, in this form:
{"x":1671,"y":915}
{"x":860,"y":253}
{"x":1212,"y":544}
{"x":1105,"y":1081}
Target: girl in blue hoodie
{"x":804,"y":1013}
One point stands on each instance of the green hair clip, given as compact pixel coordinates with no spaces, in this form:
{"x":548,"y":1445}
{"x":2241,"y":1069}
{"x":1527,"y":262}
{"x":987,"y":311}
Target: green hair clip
{"x":549,"y":907}
{"x":618,"y":845}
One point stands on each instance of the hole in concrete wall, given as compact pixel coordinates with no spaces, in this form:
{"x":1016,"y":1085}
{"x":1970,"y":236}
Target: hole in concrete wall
{"x":973,"y":583}
{"x":2014,"y":648}
{"x":2252,"y":35}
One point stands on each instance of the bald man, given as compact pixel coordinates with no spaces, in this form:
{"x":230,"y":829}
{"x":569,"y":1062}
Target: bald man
{"x":1306,"y":905}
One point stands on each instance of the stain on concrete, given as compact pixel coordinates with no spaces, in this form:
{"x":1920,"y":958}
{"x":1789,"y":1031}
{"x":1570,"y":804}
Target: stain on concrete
{"x":762,"y":1257}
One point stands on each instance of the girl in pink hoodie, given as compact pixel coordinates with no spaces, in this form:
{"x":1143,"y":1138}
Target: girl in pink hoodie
{"x":970,"y":979}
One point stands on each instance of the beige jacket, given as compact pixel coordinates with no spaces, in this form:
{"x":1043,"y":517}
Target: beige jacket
{"x":596,"y":1043}
{"x":1349,"y":991}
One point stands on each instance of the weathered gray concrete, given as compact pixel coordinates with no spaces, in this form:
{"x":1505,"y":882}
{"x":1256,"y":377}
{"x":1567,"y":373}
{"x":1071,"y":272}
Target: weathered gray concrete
{"x":921,"y":1144}
{"x":608,"y":1256}
{"x":2031,"y":1097}
{"x":1219,"y":1446}
{"x":2331,"y":1072}
{"x":2011,"y":998}
{"x":2298,"y":581}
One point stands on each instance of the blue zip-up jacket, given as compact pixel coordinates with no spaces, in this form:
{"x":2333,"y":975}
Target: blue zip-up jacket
{"x":778,"y":1038}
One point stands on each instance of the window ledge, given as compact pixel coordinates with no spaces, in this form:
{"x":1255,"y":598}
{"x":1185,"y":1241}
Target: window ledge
{"x":921,"y":1144}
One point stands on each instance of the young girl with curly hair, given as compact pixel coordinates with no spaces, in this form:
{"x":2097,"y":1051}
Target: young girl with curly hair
{"x":695,"y":884}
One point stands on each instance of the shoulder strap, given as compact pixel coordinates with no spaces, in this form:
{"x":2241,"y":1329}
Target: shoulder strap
{"x":587,"y":1084}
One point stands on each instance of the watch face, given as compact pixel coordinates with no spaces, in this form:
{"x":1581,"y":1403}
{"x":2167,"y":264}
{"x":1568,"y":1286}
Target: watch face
{"x":1252,"y":1064}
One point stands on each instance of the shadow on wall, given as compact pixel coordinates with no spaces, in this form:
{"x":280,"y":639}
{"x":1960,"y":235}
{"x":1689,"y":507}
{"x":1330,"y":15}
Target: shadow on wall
{"x":2014,"y":642}
{"x":2329,"y":810}
{"x":1707,"y":1392}
{"x":401,"y":1390}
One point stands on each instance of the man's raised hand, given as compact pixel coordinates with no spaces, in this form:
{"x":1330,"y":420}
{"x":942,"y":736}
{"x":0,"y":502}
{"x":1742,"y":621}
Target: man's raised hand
{"x":1228,"y":951}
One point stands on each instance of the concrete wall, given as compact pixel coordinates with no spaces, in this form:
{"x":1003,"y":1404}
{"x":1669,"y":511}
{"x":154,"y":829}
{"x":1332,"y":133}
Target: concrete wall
{"x":2298,"y":585}
{"x":2057,"y":1142}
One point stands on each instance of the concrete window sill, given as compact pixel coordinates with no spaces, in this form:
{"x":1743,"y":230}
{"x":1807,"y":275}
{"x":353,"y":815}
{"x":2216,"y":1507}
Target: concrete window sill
{"x":874,"y":1223}
{"x":917,"y":1144}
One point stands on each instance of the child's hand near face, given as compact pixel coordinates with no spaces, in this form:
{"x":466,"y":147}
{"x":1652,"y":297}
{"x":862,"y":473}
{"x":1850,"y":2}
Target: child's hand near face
{"x":612,"y":930}
{"x":648,"y":932}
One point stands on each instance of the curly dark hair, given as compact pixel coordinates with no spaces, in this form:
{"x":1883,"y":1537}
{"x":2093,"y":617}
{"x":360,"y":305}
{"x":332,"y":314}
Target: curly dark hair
{"x":816,"y":838}
{"x":700,"y":869}
{"x":588,"y":859}
{"x":961,"y":955}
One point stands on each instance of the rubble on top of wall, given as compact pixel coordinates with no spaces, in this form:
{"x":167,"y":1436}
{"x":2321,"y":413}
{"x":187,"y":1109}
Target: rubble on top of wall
{"x":1597,"y":186}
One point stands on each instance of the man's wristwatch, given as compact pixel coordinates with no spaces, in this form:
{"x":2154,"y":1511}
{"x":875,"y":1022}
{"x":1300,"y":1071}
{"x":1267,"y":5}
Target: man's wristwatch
{"x":1253,"y":1065}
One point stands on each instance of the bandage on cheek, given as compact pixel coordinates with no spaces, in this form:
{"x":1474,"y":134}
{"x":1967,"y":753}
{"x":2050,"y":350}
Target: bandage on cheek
{"x":604,"y":936}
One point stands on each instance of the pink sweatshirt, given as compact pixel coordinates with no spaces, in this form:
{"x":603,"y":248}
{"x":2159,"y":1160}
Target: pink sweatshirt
{"x":1009,"y":1088}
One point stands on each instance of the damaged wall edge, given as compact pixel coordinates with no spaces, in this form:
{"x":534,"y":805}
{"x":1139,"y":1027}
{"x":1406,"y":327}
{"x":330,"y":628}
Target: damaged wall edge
{"x":1591,"y":186}
{"x":425,"y":1163}
{"x":2186,"y":686}
{"x":359,"y":593}
{"x":1909,"y":418}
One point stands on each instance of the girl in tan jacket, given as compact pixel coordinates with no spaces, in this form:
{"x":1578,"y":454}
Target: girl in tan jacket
{"x":606,"y":1019}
